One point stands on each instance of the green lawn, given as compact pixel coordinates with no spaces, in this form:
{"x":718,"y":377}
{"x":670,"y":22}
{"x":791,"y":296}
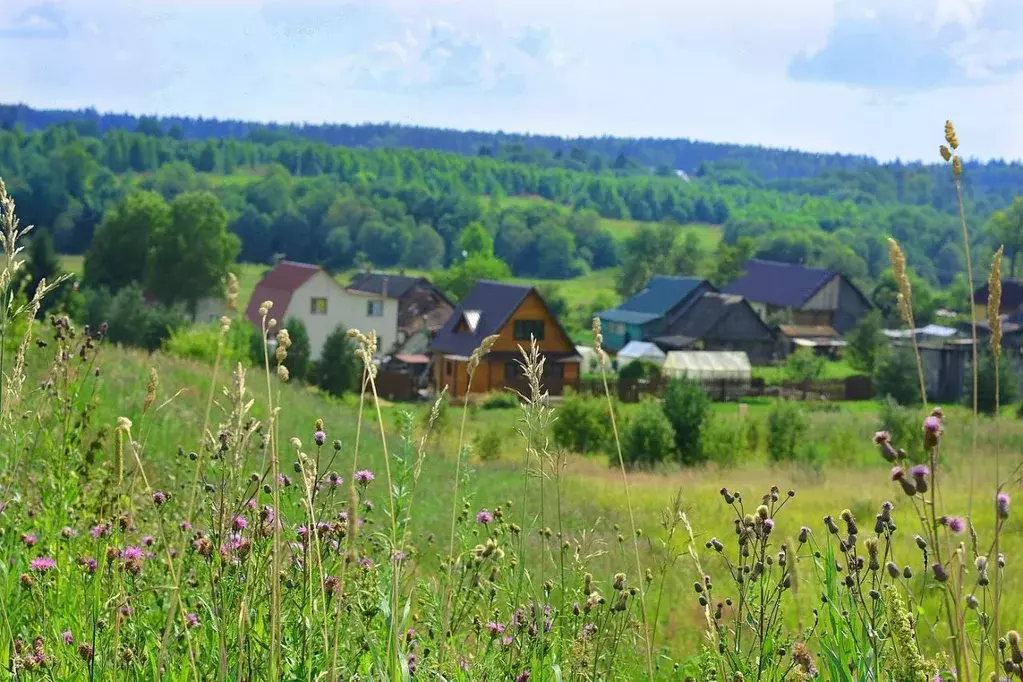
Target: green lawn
{"x":833,"y":370}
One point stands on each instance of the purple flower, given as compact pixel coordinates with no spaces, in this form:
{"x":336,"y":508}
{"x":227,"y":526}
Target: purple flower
{"x":920,"y":471}
{"x":192,"y":620}
{"x":302,"y":531}
{"x":484,"y":517}
{"x":494,"y":628}
{"x":881,"y":437}
{"x":148,"y":541}
{"x":768,"y":526}
{"x":133,"y":553}
{"x":66,"y":636}
{"x":186,"y":526}
{"x":91,"y":565}
{"x":42,"y":564}
{"x":100,"y":531}
{"x":364,"y":477}
{"x":240,"y":523}
{"x":956,"y":524}
{"x":523,"y":676}
{"x":320,"y":437}
{"x":29,"y":540}
{"x":932,"y":424}
{"x":159,"y":498}
{"x":366,"y":562}
{"x":67,"y":532}
{"x":897,"y":473}
{"x":1002,"y":502}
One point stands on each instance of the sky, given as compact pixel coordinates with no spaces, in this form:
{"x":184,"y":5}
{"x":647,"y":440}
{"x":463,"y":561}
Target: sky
{"x":875,"y":77}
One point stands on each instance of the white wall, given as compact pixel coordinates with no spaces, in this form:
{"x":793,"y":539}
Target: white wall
{"x":343,"y":308}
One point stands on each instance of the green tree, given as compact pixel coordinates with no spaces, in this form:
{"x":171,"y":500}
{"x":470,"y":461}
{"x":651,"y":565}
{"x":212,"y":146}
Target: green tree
{"x":120,"y":246}
{"x":42,"y":264}
{"x":805,"y":366}
{"x":687,"y":408}
{"x":729,"y":260}
{"x":865,"y":343}
{"x":190,"y":258}
{"x":1008,"y":382}
{"x":300,"y":353}
{"x":1006,"y":228}
{"x":885,"y":299}
{"x":475,"y":240}
{"x":647,"y":438}
{"x":337,"y":371}
{"x":895,"y":376}
{"x":461,"y":277}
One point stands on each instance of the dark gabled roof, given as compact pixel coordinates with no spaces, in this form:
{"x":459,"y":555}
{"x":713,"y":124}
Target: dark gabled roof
{"x":488,"y":306}
{"x":781,"y":284}
{"x":277,"y":286}
{"x":698,"y":319}
{"x":374,"y":283}
{"x":1012,"y":295}
{"x":662,"y":294}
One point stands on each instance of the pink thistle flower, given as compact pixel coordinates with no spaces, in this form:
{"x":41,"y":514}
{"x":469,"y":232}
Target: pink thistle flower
{"x":192,"y":620}
{"x":484,"y":517}
{"x":66,"y":636}
{"x":320,"y":438}
{"x":240,"y":523}
{"x":159,"y":498}
{"x":186,"y":526}
{"x":364,"y":477}
{"x":955,"y":524}
{"x":494,"y":628}
{"x":29,"y":540}
{"x":67,"y":532}
{"x":133,"y":553}
{"x":42,"y":564}
{"x":1002,"y":502}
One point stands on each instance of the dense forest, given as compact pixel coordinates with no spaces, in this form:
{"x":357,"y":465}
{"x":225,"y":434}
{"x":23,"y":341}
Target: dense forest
{"x":381,"y":200}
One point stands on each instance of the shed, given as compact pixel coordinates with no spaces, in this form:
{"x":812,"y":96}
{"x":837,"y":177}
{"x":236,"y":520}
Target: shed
{"x":589,"y":358}
{"x":708,"y":365}
{"x":640,"y":350}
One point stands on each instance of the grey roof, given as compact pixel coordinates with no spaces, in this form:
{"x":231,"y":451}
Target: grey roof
{"x":699,"y":319}
{"x":495,"y":302}
{"x":373,"y":283}
{"x":781,"y":284}
{"x":627,"y":316}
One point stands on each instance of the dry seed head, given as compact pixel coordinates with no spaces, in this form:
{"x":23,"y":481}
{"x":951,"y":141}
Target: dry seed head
{"x":994,"y":302}
{"x":957,"y":167}
{"x":151,"y":385}
{"x":282,"y":373}
{"x":124,"y":424}
{"x":950,"y":135}
{"x":232,"y":292}
{"x":482,"y":350}
{"x":945,"y":153}
{"x":598,"y":342}
{"x":905,"y":296}
{"x":265,"y":307}
{"x":225,"y":324}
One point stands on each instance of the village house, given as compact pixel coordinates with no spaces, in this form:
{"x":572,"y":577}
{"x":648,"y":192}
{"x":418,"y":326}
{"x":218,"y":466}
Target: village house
{"x":516,"y":314}
{"x":405,"y":311}
{"x":303,"y":292}
{"x":721,"y":322}
{"x":1010,"y":302}
{"x":799,"y":296}
{"x":644,"y":316}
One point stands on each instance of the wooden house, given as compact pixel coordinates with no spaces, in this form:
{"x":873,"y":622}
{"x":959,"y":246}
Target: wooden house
{"x":516,"y":314}
{"x":1010,"y":302}
{"x":644,"y":316}
{"x":722,"y":322}
{"x":783,"y":293}
{"x":400,"y":308}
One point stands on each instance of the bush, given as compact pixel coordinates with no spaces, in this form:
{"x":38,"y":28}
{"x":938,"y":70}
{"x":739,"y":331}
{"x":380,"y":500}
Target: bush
{"x":903,"y":425}
{"x":583,"y":425}
{"x":896,"y":376}
{"x":753,"y":434}
{"x":722,"y":441}
{"x":647,"y":438}
{"x":687,"y":407}
{"x":805,"y":366}
{"x":130,"y":319}
{"x":638,"y":370}
{"x":1008,"y":383}
{"x":338,"y":370}
{"x":786,"y":425}
{"x":299,"y":354}
{"x":200,"y":342}
{"x":501,"y":400}
{"x":865,"y":343}
{"x":487,"y":444}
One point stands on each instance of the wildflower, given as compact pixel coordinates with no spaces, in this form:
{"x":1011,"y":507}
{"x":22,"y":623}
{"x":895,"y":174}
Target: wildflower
{"x":899,"y":476}
{"x":955,"y":524}
{"x":159,"y":498}
{"x":132,"y":553}
{"x":100,"y":531}
{"x":42,"y":564}
{"x":1002,"y":503}
{"x":186,"y":526}
{"x":920,"y":473}
{"x":932,"y":432}
{"x":91,"y":565}
{"x":320,"y":438}
{"x":331,"y":584}
{"x":940,"y":574}
{"x":66,"y":636}
{"x":523,"y":676}
{"x":882,"y":439}
{"x":29,"y":540}
{"x":148,"y":540}
{"x":337,"y":445}
{"x":240,"y":523}
{"x":364,"y":477}
{"x":85,"y":652}
{"x":302,"y":532}
{"x":192,"y":620}
{"x":494,"y":628}
{"x":484,"y":517}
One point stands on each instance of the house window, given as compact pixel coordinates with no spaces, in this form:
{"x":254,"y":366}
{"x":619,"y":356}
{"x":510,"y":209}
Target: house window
{"x":616,"y":328}
{"x":512,"y":369}
{"x":524,"y":329}
{"x":318,"y":306}
{"x":555,"y":370}
{"x":375,"y":308}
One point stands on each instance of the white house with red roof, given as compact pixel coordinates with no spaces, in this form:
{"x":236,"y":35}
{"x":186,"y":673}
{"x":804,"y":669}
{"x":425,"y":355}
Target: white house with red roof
{"x":308,"y":293}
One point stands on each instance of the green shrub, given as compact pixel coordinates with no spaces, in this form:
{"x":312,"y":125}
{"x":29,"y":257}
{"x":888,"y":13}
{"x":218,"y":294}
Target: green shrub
{"x":130,"y":319}
{"x":338,"y":371}
{"x":786,"y":425}
{"x":722,"y":441}
{"x":501,"y":400}
{"x":299,"y":354}
{"x":805,"y":366}
{"x":487,"y":444}
{"x":1008,"y":383}
{"x":903,"y":425}
{"x":753,"y":434}
{"x":200,"y":342}
{"x":687,"y":407}
{"x":583,"y":425}
{"x":647,"y":438}
{"x":895,"y":375}
{"x":638,"y":370}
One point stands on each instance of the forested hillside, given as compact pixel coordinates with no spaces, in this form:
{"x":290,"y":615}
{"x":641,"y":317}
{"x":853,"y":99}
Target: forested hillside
{"x":380,"y":201}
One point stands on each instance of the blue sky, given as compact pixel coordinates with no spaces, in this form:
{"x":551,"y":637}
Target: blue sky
{"x":866,"y":76}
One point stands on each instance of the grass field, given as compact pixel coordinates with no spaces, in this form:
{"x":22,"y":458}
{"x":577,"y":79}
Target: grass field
{"x":851,"y":475}
{"x":833,"y":370}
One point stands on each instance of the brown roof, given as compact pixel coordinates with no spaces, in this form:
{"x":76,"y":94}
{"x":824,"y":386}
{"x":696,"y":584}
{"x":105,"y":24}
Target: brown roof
{"x":808,"y":331}
{"x":278,"y":285}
